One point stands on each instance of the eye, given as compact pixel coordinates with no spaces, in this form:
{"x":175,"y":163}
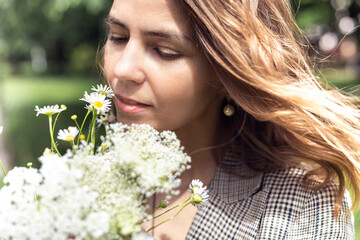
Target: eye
{"x":116,"y":38}
{"x":167,"y":53}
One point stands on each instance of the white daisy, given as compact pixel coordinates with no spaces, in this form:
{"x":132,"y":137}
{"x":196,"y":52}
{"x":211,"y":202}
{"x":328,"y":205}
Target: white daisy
{"x":195,"y":183}
{"x":200,"y":196}
{"x":102,"y":120}
{"x":104,"y":90}
{"x":97,"y":101}
{"x":47,"y":152}
{"x":68,"y":134}
{"x":48,"y":110}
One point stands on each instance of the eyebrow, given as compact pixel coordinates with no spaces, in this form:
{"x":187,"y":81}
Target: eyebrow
{"x":161,"y":33}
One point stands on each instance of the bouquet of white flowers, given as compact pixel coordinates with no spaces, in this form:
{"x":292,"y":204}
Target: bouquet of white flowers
{"x":93,"y":192}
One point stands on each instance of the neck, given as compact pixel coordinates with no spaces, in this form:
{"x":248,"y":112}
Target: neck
{"x":204,"y":146}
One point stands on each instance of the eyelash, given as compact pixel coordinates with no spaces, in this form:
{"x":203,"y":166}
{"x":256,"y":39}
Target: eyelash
{"x":159,"y":52}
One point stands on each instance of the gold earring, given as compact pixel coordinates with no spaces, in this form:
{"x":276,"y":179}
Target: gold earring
{"x":229,"y":110}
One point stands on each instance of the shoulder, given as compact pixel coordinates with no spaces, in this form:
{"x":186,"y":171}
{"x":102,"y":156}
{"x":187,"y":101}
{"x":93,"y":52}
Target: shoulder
{"x":300,"y":211}
{"x":288,"y":184}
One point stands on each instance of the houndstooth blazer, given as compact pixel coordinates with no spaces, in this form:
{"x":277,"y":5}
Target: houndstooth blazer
{"x":268,"y":206}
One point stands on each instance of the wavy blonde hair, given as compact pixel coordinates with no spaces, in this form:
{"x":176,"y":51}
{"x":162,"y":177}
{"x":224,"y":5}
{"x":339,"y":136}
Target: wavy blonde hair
{"x":259,"y":55}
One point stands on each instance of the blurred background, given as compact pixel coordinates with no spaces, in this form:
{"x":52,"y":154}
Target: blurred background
{"x":48,"y":54}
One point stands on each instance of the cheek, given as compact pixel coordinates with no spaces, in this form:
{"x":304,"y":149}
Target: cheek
{"x":108,"y":66}
{"x":186,"y":93}
{"x":107,"y":58}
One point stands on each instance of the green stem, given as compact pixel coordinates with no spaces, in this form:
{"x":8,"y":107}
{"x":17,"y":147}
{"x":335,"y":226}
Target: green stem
{"x":53,"y":145}
{"x":154,"y":210}
{"x":169,"y":218}
{"x":2,"y":167}
{"x":57,"y":116}
{"x":82,"y":125}
{"x":77,"y":126}
{"x":167,"y":210}
{"x":90,"y":127}
{"x":80,"y":133}
{"x":91,"y":133}
{"x":93,"y":123}
{"x":172,"y":208}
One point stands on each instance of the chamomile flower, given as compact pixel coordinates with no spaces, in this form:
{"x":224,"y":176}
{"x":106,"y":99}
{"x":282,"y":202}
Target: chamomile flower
{"x":104,"y":90}
{"x":195,"y":183}
{"x":47,"y":152}
{"x":97,"y":101}
{"x":102,"y":120}
{"x":68,"y":134}
{"x":200,"y":196}
{"x":48,"y":110}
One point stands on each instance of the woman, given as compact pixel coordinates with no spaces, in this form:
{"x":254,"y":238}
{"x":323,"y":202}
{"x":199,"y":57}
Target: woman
{"x":277,"y":160}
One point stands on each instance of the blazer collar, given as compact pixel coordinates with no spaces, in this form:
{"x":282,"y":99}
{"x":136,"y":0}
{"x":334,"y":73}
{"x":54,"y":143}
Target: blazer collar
{"x":233,"y":179}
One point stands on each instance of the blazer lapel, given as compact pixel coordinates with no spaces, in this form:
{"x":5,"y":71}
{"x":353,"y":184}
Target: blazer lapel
{"x":236,"y":203}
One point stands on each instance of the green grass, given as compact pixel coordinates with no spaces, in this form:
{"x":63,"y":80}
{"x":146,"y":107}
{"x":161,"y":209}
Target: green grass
{"x":18,"y":91}
{"x":346,"y":81}
{"x":27,"y":135}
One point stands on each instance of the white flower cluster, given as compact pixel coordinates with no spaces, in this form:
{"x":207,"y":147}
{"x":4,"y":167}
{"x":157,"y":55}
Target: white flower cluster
{"x":138,"y":162}
{"x":50,"y":203}
{"x":150,"y":158}
{"x":82,"y":195}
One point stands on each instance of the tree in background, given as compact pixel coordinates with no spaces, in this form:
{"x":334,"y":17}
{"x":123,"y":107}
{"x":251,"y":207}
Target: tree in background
{"x":331,"y":26}
{"x":57,"y":36}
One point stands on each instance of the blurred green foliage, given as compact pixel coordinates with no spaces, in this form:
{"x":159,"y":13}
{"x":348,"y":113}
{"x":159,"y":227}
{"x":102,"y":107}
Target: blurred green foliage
{"x":69,"y":31}
{"x":27,"y":135}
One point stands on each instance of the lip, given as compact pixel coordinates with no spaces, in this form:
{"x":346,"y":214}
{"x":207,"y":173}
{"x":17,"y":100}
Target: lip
{"x":129,"y":105}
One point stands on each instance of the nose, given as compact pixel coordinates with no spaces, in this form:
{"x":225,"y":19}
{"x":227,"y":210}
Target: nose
{"x":128,"y":67}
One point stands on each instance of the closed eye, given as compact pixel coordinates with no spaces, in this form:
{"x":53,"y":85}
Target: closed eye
{"x":170,"y":55}
{"x":117,"y":39}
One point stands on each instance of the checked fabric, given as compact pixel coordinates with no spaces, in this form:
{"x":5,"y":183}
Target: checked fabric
{"x":268,"y":206}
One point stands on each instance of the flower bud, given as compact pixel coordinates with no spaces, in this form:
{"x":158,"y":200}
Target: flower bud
{"x":163,"y":204}
{"x":82,"y":136}
{"x":74,"y":117}
{"x":29,"y":164}
{"x":63,"y":107}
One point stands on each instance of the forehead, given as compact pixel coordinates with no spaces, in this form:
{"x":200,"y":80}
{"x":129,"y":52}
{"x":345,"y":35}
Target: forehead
{"x":151,"y":13}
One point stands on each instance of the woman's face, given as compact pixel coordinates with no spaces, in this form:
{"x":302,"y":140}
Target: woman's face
{"x":158,"y":75}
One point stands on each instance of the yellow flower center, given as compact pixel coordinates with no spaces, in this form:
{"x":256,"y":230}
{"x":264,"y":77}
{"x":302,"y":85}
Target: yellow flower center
{"x":69,"y":138}
{"x":49,"y":112}
{"x":103,"y":146}
{"x":197,"y":199}
{"x":98,"y":104}
{"x":102,"y":92}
